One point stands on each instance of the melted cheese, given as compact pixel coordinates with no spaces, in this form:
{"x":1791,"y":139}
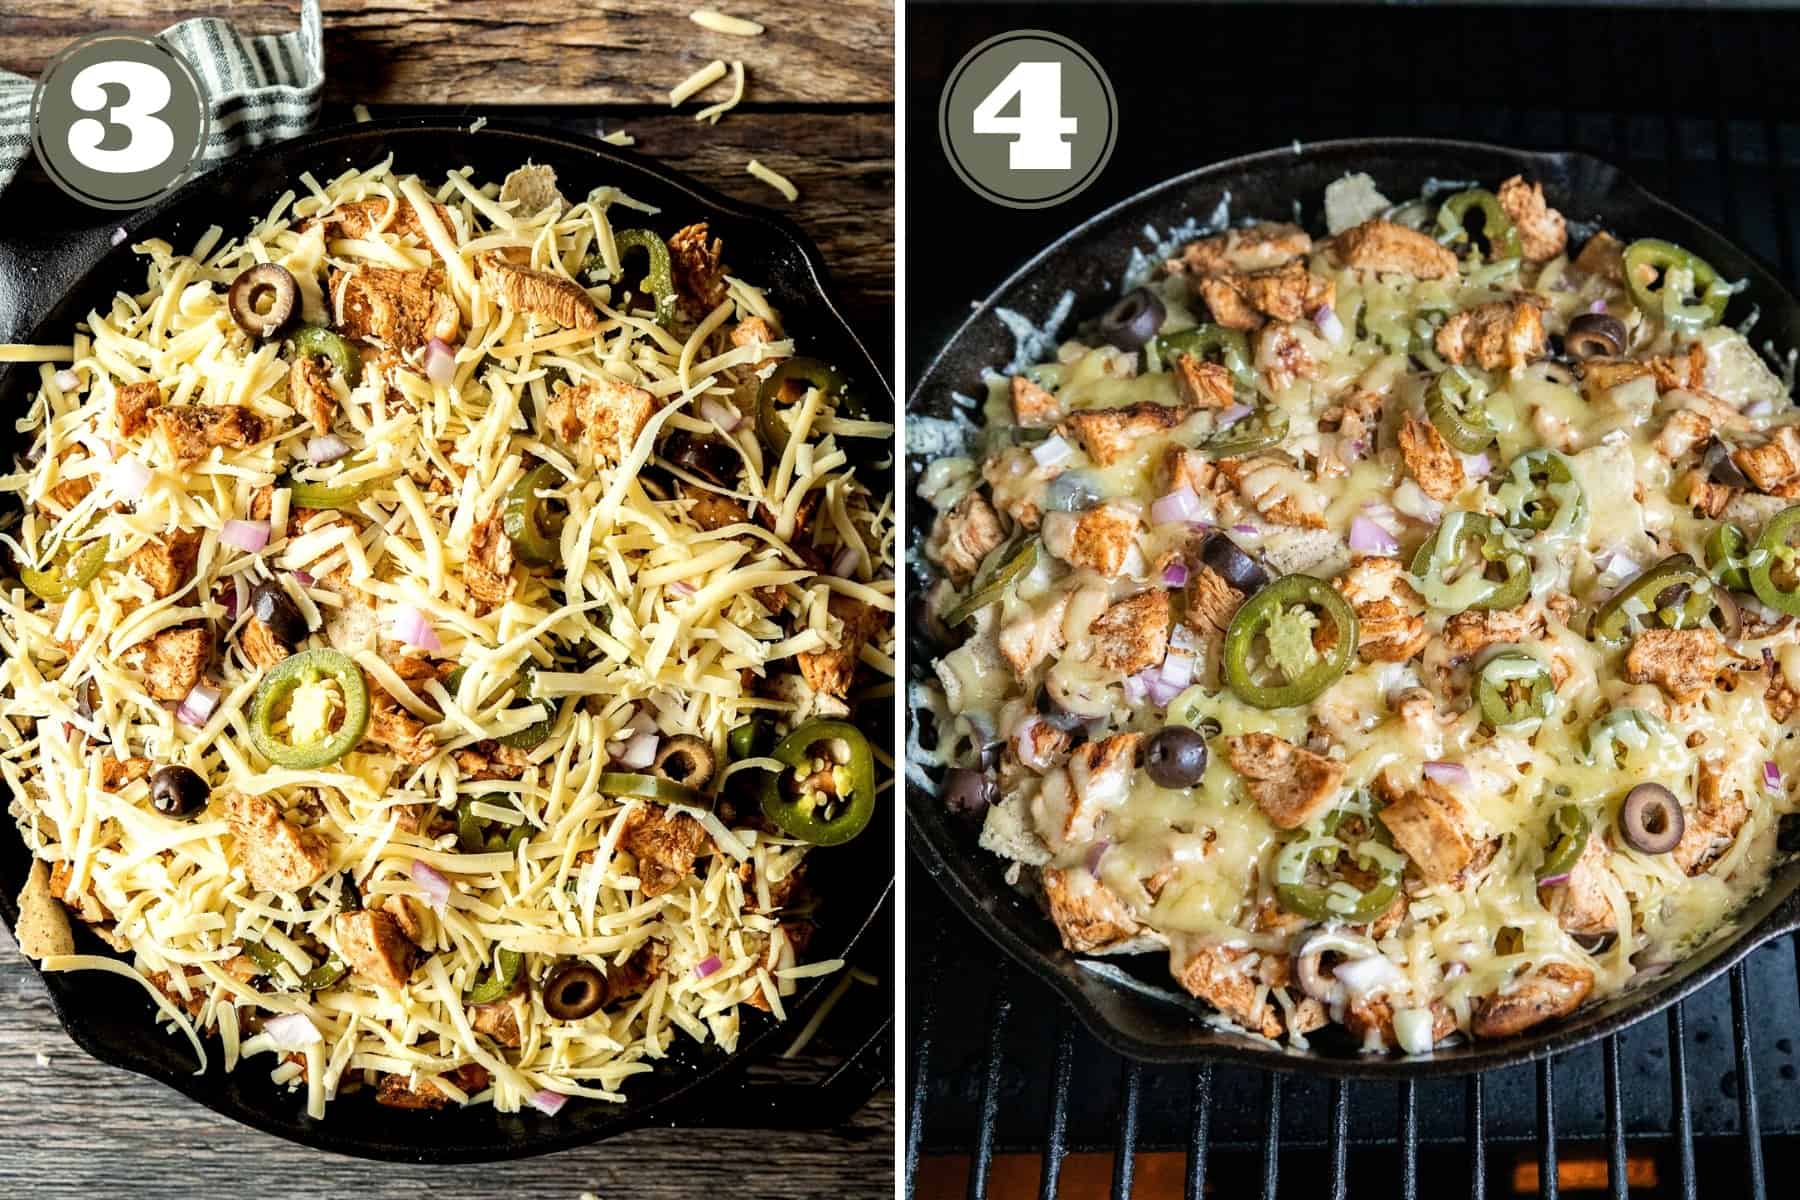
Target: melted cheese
{"x":1195,"y":866}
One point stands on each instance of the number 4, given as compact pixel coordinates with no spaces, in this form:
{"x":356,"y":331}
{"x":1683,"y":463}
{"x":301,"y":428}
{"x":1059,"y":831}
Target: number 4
{"x":1039,"y":128}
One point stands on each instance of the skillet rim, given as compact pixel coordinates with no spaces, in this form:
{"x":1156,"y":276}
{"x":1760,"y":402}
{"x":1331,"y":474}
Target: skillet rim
{"x":974,"y":887}
{"x":714,"y":1083}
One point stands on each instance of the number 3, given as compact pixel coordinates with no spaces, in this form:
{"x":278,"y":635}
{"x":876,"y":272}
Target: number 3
{"x":1040,"y":127}
{"x":147,"y":91}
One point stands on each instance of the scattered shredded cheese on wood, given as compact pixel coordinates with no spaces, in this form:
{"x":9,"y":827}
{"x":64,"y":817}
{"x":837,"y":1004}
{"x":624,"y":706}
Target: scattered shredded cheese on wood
{"x":719,"y":22}
{"x":780,"y":183}
{"x":698,"y":82}
{"x":712,"y":113}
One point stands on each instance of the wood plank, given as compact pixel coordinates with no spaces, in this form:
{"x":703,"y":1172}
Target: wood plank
{"x":523,"y":51}
{"x":76,"y":1129}
{"x":843,"y":163}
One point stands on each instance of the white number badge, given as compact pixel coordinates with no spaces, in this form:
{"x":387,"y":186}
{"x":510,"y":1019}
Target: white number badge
{"x":149,"y":141}
{"x":1039,"y":127}
{"x":118,"y":119}
{"x":1028,"y":119}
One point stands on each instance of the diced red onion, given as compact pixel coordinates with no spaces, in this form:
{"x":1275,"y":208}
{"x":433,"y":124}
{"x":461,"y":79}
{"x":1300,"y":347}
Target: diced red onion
{"x":1243,"y":529}
{"x":1382,"y":514}
{"x":1598,"y":306}
{"x":548,"y":1102}
{"x":1231,"y":416}
{"x":1550,"y":881}
{"x":198,"y":706}
{"x":67,"y":380}
{"x":1178,"y":506}
{"x":127,"y":479}
{"x":1095,"y":854}
{"x":707,"y":966}
{"x":1366,"y":537}
{"x":1772,"y":776}
{"x":720,"y":413}
{"x":1761,"y":407}
{"x":639,"y":752}
{"x":1447,"y":772}
{"x":291,"y":1031}
{"x":440,"y":362}
{"x":228,"y":598}
{"x":1053,"y":451}
{"x":1175,"y":575}
{"x":1136,"y":689}
{"x":327,"y":448}
{"x":435,"y":883}
{"x":248,"y":536}
{"x":1329,"y":326}
{"x":1178,"y":671}
{"x":303,"y":578}
{"x":1185,"y":639}
{"x":1478,"y":466}
{"x":682,"y":587}
{"x":410,"y":626}
{"x":844,"y":565}
{"x":1157,"y":687}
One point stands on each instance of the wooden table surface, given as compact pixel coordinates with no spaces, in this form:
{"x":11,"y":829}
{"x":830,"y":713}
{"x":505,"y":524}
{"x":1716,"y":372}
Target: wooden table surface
{"x":818,"y":108}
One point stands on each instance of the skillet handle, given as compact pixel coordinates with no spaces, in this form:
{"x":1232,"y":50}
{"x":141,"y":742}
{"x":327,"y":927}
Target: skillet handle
{"x":812,"y":1105}
{"x":826,"y":1104}
{"x":1783,"y":919}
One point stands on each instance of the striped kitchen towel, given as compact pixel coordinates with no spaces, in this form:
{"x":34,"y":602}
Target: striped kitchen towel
{"x":261,"y":89}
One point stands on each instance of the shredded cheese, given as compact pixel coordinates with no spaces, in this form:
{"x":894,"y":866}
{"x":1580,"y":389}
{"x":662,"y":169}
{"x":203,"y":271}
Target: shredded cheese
{"x":719,"y":22}
{"x":780,"y":183}
{"x":712,"y":113}
{"x":16,"y":352}
{"x":646,"y":622}
{"x":698,"y":82}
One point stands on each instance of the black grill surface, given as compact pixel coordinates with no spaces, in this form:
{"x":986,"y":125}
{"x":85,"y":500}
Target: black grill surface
{"x":1702,"y":107}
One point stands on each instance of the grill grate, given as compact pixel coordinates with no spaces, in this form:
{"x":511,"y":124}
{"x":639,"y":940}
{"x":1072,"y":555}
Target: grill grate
{"x":1005,"y":1078}
{"x":985,"y":1059}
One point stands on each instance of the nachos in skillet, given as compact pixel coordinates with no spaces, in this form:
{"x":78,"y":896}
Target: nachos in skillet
{"x":1393,"y":627}
{"x":432,"y":625}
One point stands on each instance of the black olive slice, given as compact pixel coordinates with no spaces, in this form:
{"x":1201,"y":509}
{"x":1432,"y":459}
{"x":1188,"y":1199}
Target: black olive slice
{"x":1134,"y":320}
{"x":1651,"y":820}
{"x":1233,"y":565}
{"x":263,"y":299}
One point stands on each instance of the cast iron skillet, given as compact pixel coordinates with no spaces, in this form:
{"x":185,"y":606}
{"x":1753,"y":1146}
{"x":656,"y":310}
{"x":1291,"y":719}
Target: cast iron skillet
{"x":1130,"y":1002}
{"x":110,"y":1017}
